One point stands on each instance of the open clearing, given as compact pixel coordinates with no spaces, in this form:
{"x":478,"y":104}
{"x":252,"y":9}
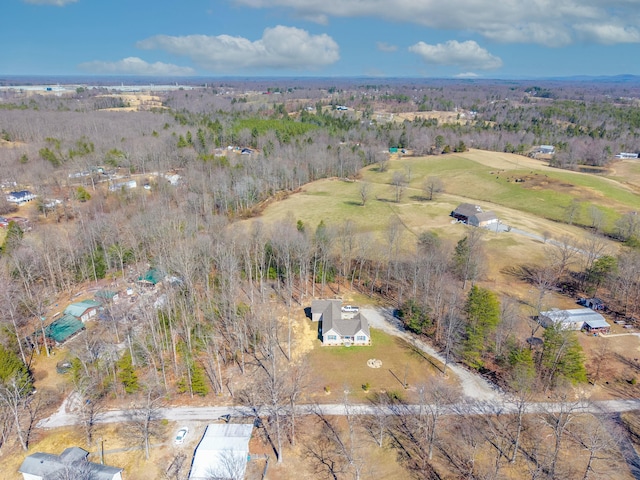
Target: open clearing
{"x":400,"y":363}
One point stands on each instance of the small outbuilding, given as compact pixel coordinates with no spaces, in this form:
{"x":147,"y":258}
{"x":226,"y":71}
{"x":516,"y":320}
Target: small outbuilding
{"x":594,"y":303}
{"x":151,"y":278}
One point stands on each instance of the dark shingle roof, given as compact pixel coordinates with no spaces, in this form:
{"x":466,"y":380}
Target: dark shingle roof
{"x":73,"y":460}
{"x":467,"y":209}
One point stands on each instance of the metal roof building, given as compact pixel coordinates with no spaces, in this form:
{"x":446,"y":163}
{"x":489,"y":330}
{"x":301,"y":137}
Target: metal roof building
{"x":222,"y":453}
{"x":572,"y":319}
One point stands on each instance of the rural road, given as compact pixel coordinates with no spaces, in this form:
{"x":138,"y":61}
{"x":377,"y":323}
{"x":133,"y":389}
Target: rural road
{"x":480,"y":397}
{"x":210,"y":414}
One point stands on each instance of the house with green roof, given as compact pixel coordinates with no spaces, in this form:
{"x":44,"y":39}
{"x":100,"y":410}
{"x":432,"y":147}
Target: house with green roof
{"x":63,"y":328}
{"x":83,"y":310}
{"x":152,"y":277}
{"x":107,"y":296}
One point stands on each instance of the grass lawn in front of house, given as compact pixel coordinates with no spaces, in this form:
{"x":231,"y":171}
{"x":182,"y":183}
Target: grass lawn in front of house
{"x":345,"y":369}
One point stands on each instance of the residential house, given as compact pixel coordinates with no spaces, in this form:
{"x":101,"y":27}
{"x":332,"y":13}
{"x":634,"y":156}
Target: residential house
{"x":464,"y":211}
{"x":123,"y":185}
{"x":151,"y":278}
{"x":474,"y":215}
{"x":84,"y":310}
{"x":63,"y":328}
{"x":20,"y":197}
{"x":597,"y":325}
{"x":107,"y":296}
{"x":340,"y":327}
{"x":573,"y":319}
{"x":222,"y":453}
{"x":72,"y":463}
{"x":483,"y":219}
{"x":547,"y":149}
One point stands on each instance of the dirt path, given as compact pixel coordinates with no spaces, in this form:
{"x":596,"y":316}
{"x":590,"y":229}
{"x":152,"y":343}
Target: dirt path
{"x":473,"y":386}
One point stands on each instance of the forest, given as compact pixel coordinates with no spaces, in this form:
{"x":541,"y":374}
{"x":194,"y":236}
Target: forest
{"x":223,"y":329}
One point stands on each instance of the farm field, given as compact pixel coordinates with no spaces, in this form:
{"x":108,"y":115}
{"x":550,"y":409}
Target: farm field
{"x":468,"y":177}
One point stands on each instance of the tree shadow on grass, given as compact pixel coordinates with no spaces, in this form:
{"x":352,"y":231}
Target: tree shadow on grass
{"x":352,"y":203}
{"x":416,"y":352}
{"x":419,"y":198}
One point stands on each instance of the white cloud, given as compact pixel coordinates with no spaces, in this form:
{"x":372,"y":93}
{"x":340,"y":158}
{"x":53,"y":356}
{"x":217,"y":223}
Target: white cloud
{"x":610,"y":34}
{"x":385,"y":47}
{"x":280,"y":47}
{"x":467,"y":75}
{"x":136,"y":66}
{"x":543,"y":22}
{"x":57,"y":3}
{"x":461,"y":54}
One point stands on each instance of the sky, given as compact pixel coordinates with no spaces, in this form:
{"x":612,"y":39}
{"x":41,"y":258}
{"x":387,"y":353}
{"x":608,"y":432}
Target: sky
{"x":321,"y":38}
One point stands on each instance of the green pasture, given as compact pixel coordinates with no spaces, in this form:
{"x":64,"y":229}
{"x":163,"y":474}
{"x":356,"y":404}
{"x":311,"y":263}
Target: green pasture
{"x":480,"y":183}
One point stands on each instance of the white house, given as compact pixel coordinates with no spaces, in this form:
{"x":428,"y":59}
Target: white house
{"x":72,"y":463}
{"x":340,"y":327}
{"x":123,"y":185}
{"x":20,"y":197}
{"x":222,"y":453}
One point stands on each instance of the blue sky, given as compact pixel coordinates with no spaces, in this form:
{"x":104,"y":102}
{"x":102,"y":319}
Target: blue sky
{"x":385,"y":38}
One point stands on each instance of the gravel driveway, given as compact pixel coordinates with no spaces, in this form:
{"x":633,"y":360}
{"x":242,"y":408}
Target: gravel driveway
{"x":473,"y":385}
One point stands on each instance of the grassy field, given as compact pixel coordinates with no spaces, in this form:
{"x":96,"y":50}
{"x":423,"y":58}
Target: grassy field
{"x":545,"y":192}
{"x":344,"y":369}
{"x":536,"y":205}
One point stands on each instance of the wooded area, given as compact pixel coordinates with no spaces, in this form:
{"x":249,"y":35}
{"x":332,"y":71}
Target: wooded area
{"x":223,"y":325}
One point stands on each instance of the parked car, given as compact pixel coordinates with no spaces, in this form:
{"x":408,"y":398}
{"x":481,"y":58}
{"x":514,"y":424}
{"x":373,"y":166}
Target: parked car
{"x":180,"y":435}
{"x":350,"y":309}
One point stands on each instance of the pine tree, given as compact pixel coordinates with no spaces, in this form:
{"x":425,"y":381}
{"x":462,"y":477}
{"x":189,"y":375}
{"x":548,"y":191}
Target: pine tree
{"x":562,"y":356}
{"x":127,"y":374}
{"x":483,"y":316}
{"x":12,"y":367}
{"x":198,"y":380}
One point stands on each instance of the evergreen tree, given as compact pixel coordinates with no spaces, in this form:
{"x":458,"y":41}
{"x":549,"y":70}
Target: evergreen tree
{"x":127,"y":374}
{"x":13,"y":238}
{"x":12,"y":367}
{"x":562,"y":356}
{"x":198,"y":380}
{"x":483,"y":315}
{"x":414,"y":317}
